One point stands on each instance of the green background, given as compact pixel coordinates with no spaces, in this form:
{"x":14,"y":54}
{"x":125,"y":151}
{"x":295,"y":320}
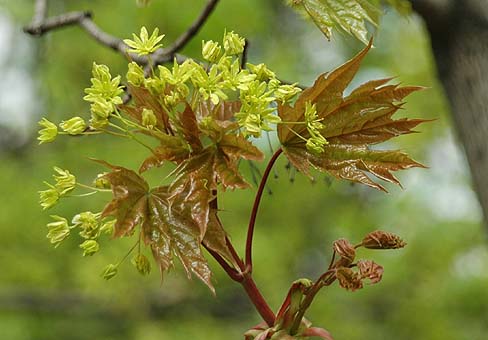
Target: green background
{"x":435,"y":288}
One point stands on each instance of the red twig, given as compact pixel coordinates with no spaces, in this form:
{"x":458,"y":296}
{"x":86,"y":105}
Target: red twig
{"x":254,"y":212}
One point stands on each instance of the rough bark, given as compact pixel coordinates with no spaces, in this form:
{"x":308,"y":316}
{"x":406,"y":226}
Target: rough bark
{"x":459,"y":37}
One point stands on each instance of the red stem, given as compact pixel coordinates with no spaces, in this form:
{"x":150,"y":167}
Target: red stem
{"x":254,"y":212}
{"x":258,"y":300}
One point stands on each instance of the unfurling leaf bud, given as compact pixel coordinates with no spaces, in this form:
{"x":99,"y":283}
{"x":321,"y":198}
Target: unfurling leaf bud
{"x":101,"y":182}
{"x":89,"y":247}
{"x":349,"y":279}
{"x":73,"y":126}
{"x":135,"y":74}
{"x":49,"y":197}
{"x":345,"y":250}
{"x":233,"y":43}
{"x":370,"y":270}
{"x":65,"y":181}
{"x":148,"y":118}
{"x":49,"y":133}
{"x":142,"y":264}
{"x":58,"y":230}
{"x":382,"y":240}
{"x":211,"y":51}
{"x":109,"y":271}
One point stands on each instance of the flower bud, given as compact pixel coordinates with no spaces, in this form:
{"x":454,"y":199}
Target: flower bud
{"x":211,"y":51}
{"x":382,"y":240}
{"x":89,"y":247}
{"x":108,"y":227}
{"x":65,"y":181}
{"x":142,"y":264}
{"x":370,"y":270}
{"x":49,"y":133}
{"x":148,"y":118}
{"x":73,"y":126}
{"x":135,"y":74}
{"x":233,"y":43}
{"x":48,"y":198}
{"x":101,"y":182}
{"x":57,"y":230}
{"x":109,"y":271}
{"x":101,"y":109}
{"x":345,"y":250}
{"x":262,"y":72}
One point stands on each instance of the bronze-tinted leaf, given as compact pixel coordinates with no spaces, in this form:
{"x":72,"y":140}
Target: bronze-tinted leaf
{"x":169,"y":230}
{"x":189,"y":127}
{"x":172,"y":149}
{"x":216,"y":238}
{"x":227,"y":172}
{"x":143,"y":98}
{"x":129,"y":205}
{"x":350,"y":125}
{"x":237,"y":146}
{"x":318,"y":332}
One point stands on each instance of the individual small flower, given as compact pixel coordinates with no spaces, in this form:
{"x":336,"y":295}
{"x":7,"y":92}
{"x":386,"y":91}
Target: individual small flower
{"x":142,"y":264}
{"x":135,"y":74}
{"x":101,"y":182}
{"x":148,"y":118}
{"x":382,"y":240}
{"x":89,"y":224}
{"x":58,"y":230}
{"x":211,"y":51}
{"x":73,"y":126}
{"x":349,"y":279}
{"x":65,"y":181}
{"x":109,"y":271}
{"x":49,"y":197}
{"x":108,"y":227}
{"x":316,"y":142}
{"x":101,"y":109}
{"x":371,"y":270}
{"x":90,"y":247}
{"x":48,"y":133}
{"x":233,"y":43}
{"x":144,"y":44}
{"x":262,"y":72}
{"x":285,"y":92}
{"x":345,"y":250}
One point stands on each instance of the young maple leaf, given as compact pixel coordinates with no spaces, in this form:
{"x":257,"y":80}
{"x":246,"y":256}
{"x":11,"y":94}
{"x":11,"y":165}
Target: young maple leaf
{"x":167,"y":228}
{"x":350,"y":124}
{"x":349,"y":15}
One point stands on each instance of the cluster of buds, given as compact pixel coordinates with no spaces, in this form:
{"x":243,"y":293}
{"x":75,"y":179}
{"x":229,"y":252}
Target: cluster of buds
{"x":343,"y":268}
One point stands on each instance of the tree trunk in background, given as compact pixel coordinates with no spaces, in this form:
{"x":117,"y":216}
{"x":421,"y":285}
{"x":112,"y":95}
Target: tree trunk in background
{"x":459,"y":37}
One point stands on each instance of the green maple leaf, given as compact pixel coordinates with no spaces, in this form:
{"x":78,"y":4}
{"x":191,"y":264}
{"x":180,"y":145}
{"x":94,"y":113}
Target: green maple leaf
{"x":166,"y":226}
{"x":350,"y":125}
{"x":348,"y":15}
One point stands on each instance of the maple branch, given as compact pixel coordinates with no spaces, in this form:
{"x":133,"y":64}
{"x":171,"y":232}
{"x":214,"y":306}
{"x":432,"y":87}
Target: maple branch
{"x":254,"y":212}
{"x":258,"y":300}
{"x":183,"y":39}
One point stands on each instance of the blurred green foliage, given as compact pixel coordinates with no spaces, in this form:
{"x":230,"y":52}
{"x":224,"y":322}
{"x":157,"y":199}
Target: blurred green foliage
{"x":433,"y":289}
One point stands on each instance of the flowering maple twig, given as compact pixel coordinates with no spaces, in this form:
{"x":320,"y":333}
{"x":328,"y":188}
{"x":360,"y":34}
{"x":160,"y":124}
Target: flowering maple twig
{"x":254,"y":212}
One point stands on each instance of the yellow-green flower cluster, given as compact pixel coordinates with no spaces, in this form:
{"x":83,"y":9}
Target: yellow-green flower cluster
{"x":104,"y":95}
{"x":316,"y":142}
{"x":65,"y":182}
